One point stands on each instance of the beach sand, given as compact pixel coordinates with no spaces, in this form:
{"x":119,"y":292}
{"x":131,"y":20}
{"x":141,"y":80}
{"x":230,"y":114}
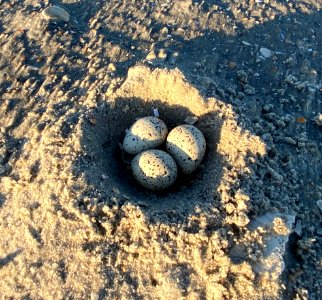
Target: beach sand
{"x":75,"y":224}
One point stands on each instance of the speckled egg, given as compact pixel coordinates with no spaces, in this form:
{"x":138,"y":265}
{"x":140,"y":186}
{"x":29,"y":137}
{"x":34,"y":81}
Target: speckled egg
{"x":146,"y":133}
{"x":154,"y":169}
{"x":187,"y":145}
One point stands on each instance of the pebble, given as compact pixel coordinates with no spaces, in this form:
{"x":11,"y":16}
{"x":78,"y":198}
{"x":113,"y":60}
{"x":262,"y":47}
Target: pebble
{"x":266,"y":52}
{"x":242,"y":76}
{"x":319,"y":204}
{"x":318,"y":120}
{"x":173,"y":58}
{"x":278,"y":229}
{"x":246,"y":43}
{"x":191,"y":120}
{"x":111,"y":67}
{"x":156,"y":112}
{"x":232,"y":65}
{"x":298,"y":228}
{"x":56,"y":13}
{"x":151,"y":55}
{"x":249,"y":90}
{"x":162,"y":54}
{"x":164,"y":31}
{"x":2,"y":169}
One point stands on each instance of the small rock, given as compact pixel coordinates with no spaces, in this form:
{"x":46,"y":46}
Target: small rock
{"x":162,"y":54}
{"x":319,"y":204}
{"x":265,"y":52}
{"x":318,"y":120}
{"x":278,"y":229}
{"x":151,"y":55}
{"x":232,"y":65}
{"x":298,"y":228}
{"x":92,"y":120}
{"x":2,"y":169}
{"x":249,"y":90}
{"x":267,"y":107}
{"x":156,"y":112}
{"x":32,"y":68}
{"x":301,"y":120}
{"x":173,"y":58}
{"x":56,"y":13}
{"x":242,"y":76}
{"x":191,"y":120}
{"x":246,"y":43}
{"x":164,"y":31}
{"x":111,"y":67}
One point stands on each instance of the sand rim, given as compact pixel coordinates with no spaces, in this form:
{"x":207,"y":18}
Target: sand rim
{"x":229,"y":146}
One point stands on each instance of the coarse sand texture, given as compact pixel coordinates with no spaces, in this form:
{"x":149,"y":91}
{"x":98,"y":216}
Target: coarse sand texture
{"x":222,"y":199}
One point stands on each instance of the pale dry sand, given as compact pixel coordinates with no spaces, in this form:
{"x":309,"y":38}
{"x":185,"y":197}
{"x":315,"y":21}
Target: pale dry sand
{"x":74,"y":223}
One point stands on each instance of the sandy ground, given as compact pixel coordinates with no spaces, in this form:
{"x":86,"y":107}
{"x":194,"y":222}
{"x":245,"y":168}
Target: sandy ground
{"x":75,"y":225}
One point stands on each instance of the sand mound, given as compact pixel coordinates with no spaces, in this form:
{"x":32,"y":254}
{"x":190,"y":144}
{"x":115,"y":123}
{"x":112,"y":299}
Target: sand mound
{"x":83,"y":224}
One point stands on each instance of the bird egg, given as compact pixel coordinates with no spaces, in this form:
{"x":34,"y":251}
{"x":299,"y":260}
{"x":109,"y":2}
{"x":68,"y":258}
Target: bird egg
{"x":146,"y":133}
{"x":187,"y":145}
{"x":154,"y":169}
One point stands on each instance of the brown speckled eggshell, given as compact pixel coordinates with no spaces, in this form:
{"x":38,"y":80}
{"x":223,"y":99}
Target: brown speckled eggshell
{"x":187,"y":145}
{"x":154,"y":169}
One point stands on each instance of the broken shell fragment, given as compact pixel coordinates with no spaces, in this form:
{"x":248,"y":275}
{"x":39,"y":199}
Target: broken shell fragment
{"x":56,"y":13}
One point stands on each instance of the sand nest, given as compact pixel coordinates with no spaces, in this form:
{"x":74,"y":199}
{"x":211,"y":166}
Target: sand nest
{"x":75,"y":223}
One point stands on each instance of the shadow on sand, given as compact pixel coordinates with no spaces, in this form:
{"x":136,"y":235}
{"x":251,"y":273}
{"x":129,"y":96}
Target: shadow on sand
{"x":221,"y":56}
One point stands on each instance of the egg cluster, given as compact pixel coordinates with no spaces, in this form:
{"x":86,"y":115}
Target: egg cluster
{"x":157,"y":169}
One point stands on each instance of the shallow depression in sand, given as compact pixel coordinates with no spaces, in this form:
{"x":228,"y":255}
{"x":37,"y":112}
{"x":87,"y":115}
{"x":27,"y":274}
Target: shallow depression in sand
{"x":173,"y":116}
{"x":145,"y":90}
